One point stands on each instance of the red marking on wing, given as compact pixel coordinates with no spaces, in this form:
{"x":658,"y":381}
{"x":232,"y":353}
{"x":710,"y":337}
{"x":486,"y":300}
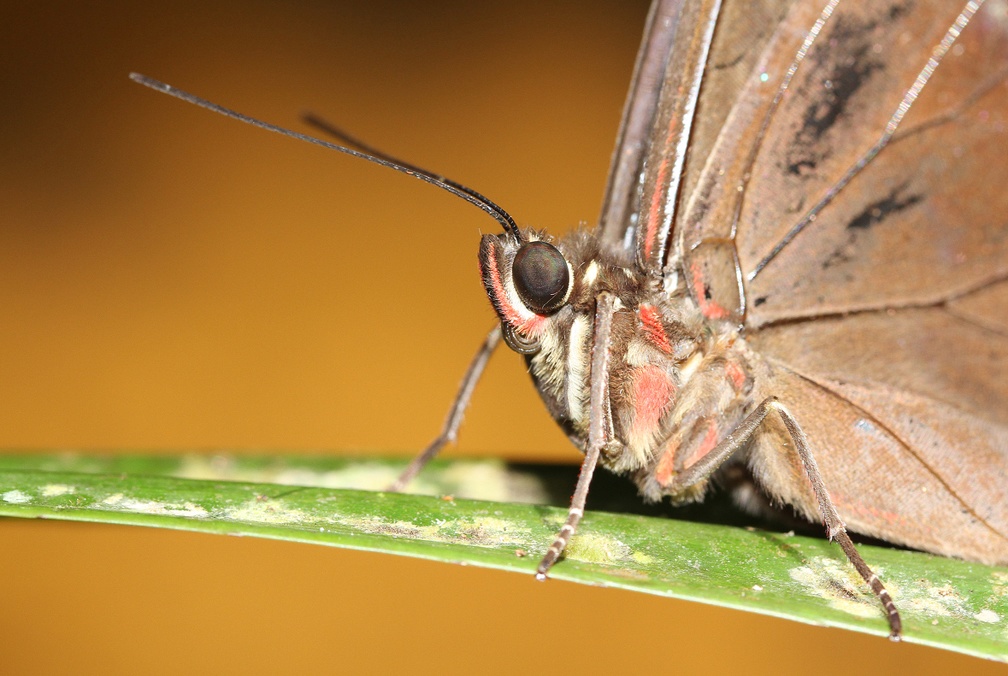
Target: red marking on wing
{"x":709,"y":308}
{"x":661,"y":188}
{"x":652,"y":391}
{"x":654,"y":210}
{"x":522,"y":319}
{"x":654,"y":330}
{"x":851,"y":507}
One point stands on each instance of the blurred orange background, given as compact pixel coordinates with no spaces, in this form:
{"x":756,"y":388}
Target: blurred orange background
{"x":171,"y":280}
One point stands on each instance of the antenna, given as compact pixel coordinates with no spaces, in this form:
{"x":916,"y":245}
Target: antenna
{"x":457,"y":189}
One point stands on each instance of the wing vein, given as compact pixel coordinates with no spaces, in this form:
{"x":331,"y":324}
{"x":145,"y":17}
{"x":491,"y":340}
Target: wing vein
{"x":925,"y":305}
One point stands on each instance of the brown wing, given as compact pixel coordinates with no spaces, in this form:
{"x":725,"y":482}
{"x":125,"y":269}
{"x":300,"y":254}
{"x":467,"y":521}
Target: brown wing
{"x":621,"y":193}
{"x":680,"y":51}
{"x":924,"y":220}
{"x":857,"y":191}
{"x":910,"y":432}
{"x":742,"y":33}
{"x":795,"y":180}
{"x":907,"y":469}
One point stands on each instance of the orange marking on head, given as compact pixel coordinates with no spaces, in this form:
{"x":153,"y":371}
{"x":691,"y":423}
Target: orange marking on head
{"x":709,"y":308}
{"x":524,"y":320}
{"x":654,"y":330}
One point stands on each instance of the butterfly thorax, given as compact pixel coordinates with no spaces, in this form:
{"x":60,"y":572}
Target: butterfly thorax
{"x":677,"y":382}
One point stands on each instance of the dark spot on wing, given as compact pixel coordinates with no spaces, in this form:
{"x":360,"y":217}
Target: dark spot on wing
{"x":839,"y":83}
{"x":877,"y":212}
{"x":870,"y":216}
{"x":897,"y":11}
{"x":730,"y":63}
{"x":804,"y":166}
{"x":759,"y":301}
{"x":841,"y":65}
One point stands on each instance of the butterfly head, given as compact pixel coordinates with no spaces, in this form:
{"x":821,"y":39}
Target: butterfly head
{"x":528,"y":281}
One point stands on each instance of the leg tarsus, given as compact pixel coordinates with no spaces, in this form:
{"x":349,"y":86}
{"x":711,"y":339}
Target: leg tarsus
{"x":835,"y":528}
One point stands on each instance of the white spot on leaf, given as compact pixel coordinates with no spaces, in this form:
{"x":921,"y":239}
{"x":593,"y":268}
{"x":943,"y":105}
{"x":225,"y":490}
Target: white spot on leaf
{"x":16,"y":497}
{"x":266,"y":511}
{"x":118,"y":502}
{"x":838,"y":584}
{"x":987,"y":616}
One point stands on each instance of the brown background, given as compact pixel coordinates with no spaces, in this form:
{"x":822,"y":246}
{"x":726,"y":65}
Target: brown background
{"x":173,"y":280}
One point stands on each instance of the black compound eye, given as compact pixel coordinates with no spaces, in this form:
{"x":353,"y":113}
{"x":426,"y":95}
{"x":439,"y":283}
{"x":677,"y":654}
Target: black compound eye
{"x":541,"y":276}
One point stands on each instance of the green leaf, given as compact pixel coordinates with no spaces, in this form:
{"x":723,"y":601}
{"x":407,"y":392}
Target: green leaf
{"x":945,"y":603}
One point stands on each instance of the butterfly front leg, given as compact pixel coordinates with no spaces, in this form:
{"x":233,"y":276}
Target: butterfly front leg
{"x":455,"y":414}
{"x":599,"y":428}
{"x":701,"y":470}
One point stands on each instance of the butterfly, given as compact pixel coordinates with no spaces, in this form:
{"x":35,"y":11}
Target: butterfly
{"x":799,"y":280}
{"x":798,"y":286}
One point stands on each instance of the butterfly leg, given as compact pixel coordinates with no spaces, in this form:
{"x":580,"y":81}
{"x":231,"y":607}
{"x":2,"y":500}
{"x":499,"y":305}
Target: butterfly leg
{"x":454,"y":420}
{"x":835,"y":528}
{"x":598,"y":429}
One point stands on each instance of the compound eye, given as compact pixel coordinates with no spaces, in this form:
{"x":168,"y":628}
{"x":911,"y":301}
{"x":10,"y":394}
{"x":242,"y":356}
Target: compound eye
{"x":541,"y":276}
